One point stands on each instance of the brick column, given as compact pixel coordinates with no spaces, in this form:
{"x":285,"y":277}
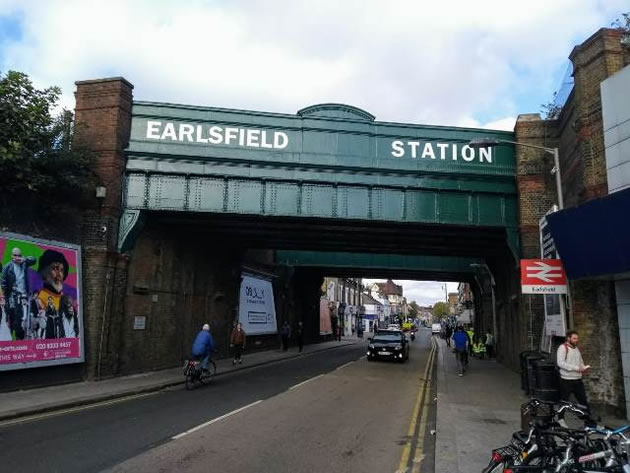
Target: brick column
{"x":103,"y":121}
{"x":537,"y":194}
{"x":594,"y":60}
{"x":594,"y":306}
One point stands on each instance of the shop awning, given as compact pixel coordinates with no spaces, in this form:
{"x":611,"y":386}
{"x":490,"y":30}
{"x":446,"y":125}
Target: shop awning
{"x":593,"y":239}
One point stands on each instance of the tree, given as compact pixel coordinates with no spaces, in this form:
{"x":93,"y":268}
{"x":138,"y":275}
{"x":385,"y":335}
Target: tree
{"x":551,"y":110}
{"x":440,"y":310}
{"x":623,"y":24}
{"x":413,"y":309}
{"x":36,"y":155}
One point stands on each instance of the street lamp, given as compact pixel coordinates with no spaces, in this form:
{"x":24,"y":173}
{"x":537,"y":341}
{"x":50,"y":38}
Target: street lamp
{"x":485,"y":142}
{"x":485,"y":267}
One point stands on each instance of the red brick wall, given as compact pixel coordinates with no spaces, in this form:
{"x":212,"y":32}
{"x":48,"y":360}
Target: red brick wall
{"x":578,"y":133}
{"x":103,"y":121}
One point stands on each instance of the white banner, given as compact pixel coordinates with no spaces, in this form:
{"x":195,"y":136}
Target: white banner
{"x":257,"y":311}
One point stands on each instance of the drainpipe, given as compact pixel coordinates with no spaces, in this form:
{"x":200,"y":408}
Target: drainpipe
{"x":103,"y":320}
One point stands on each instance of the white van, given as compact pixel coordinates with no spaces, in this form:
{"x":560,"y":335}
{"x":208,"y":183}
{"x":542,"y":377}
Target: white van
{"x":436,"y":328}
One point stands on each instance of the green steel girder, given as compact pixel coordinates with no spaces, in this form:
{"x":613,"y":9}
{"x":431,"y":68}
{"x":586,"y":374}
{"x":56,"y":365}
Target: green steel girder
{"x":327,"y":161}
{"x":374,"y":262}
{"x":257,"y":196}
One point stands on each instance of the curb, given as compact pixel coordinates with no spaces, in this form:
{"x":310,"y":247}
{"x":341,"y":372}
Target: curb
{"x":22,"y":413}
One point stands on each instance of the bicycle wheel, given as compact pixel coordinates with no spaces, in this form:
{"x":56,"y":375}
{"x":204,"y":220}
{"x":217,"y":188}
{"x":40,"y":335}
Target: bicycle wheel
{"x":190,"y":381}
{"x":207,"y":376}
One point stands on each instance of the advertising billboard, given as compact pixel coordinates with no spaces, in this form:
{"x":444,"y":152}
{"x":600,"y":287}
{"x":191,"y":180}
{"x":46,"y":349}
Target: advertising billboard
{"x":41,"y":316}
{"x":257,"y":311}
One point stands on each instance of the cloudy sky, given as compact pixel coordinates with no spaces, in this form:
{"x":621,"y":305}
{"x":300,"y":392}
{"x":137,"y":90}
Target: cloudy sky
{"x":457,"y":63}
{"x":423,"y":292}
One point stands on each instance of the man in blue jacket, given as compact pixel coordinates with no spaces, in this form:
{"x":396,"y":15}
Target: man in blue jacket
{"x":203,"y":346}
{"x":461,"y":348}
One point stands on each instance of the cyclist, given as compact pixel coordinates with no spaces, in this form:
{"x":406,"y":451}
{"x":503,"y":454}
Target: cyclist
{"x":203,"y":346}
{"x":461,"y":348}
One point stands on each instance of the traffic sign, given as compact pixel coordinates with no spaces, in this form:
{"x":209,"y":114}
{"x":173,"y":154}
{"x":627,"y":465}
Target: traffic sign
{"x":543,"y":276}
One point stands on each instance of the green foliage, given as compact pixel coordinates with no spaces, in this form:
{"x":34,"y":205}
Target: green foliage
{"x":413,"y":309}
{"x":551,"y":110}
{"x":440,"y":310}
{"x":623,"y":24}
{"x":36,"y":154}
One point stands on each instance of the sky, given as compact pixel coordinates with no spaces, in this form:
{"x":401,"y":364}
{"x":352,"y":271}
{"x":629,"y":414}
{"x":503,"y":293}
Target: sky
{"x":424,"y":293}
{"x":453,"y":63}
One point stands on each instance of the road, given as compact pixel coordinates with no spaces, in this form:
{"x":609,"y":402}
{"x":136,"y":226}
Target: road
{"x":330,"y":411}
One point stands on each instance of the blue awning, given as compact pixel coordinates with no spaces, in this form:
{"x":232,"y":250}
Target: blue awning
{"x":593,"y":239}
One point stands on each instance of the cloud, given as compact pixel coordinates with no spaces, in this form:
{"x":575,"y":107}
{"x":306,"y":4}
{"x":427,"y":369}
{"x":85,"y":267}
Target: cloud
{"x":425,"y":293}
{"x":506,"y":123}
{"x":438,"y":63}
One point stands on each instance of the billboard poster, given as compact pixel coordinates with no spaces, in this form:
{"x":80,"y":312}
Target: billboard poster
{"x":257,"y":311}
{"x":325,"y":324}
{"x":41,"y":316}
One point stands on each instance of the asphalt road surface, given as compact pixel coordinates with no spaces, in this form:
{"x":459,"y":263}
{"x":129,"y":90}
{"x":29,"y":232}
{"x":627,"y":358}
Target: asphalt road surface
{"x":330,"y":411}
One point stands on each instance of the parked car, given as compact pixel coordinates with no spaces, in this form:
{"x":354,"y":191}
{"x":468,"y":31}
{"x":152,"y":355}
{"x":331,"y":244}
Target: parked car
{"x":436,"y":328}
{"x":388,"y":344}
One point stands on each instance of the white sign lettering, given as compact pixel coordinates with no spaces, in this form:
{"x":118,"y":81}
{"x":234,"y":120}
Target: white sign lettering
{"x":216,"y":135}
{"x":441,"y":151}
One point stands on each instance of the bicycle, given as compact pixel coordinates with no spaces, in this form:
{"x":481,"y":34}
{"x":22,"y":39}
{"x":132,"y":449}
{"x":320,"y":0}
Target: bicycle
{"x":550,"y":448}
{"x":537,"y":445}
{"x":193,"y":373}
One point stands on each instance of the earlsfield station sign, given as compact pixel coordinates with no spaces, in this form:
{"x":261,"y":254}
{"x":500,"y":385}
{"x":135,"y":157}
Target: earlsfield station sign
{"x":279,"y":140}
{"x":216,"y":135}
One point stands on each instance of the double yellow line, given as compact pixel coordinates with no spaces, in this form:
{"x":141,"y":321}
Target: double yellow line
{"x":413,"y":426}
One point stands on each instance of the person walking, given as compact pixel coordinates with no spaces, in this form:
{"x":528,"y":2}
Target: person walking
{"x":462,"y":342}
{"x":237,"y":340}
{"x":471,"y":335}
{"x":449,"y":334}
{"x":300,"y":336}
{"x":489,"y":344}
{"x":571,"y":366}
{"x":285,"y":333}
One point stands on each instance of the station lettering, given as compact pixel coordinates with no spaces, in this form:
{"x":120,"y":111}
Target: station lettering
{"x":216,"y":135}
{"x":441,"y":151}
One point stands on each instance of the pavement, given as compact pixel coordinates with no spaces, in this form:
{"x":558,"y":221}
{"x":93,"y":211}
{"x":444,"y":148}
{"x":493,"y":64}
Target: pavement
{"x":22,"y":403}
{"x":477,"y":412}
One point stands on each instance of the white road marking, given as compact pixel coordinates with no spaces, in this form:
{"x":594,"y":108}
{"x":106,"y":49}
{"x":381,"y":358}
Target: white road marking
{"x":224,"y":416}
{"x":20,"y":420}
{"x":304,"y":382}
{"x":343,"y":366}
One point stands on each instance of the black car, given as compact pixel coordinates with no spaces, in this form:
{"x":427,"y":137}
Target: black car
{"x":388,"y":344}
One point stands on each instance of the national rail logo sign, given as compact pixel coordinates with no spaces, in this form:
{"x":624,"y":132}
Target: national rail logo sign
{"x":543,"y":276}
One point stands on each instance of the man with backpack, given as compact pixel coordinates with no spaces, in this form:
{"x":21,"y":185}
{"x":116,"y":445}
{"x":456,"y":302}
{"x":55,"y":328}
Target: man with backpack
{"x":571,"y":367}
{"x":462,"y":342}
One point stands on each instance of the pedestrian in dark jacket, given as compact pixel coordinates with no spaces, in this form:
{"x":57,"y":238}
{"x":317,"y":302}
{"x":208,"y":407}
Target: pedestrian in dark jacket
{"x":449,"y":334}
{"x":462,"y":342}
{"x":238,"y":342}
{"x":285,"y":333}
{"x":300,"y":336}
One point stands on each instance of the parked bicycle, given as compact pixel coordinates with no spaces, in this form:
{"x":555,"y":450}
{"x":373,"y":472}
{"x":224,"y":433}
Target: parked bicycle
{"x":194,"y":374}
{"x":550,"y":447}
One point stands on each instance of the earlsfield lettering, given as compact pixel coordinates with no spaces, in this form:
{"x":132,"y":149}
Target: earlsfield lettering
{"x":216,"y":135}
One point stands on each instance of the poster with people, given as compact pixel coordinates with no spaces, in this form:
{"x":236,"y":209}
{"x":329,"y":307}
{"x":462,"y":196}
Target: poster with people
{"x":41,"y":321}
{"x":257,"y":311}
